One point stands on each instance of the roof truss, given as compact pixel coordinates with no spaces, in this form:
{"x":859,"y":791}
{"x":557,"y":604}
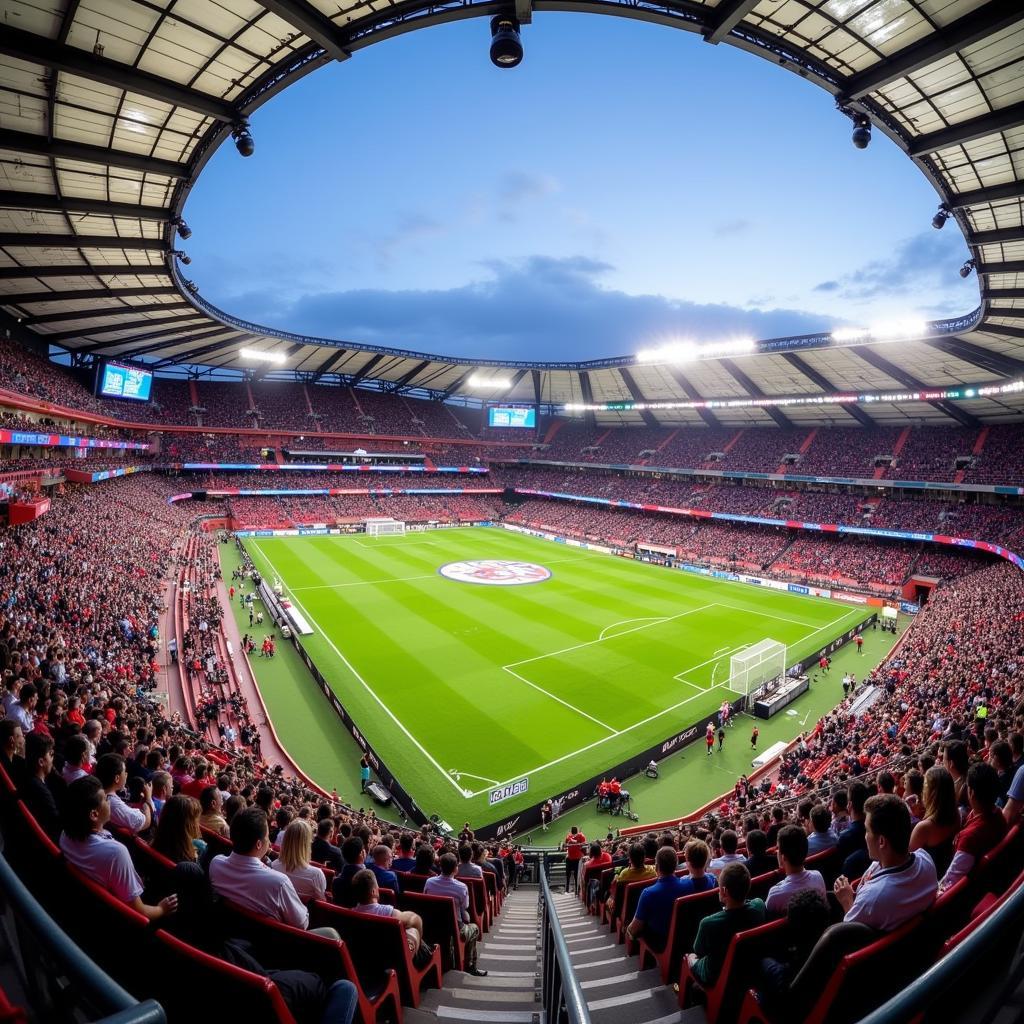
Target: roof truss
{"x":694,"y":395}
{"x":83,"y":270}
{"x":967,"y":131}
{"x":85,"y":294}
{"x":727,"y":15}
{"x":976,"y":355}
{"x":755,"y":392}
{"x":92,"y":314}
{"x":40,"y":145}
{"x":310,"y":22}
{"x":827,"y":386}
{"x":38,"y":201}
{"x":634,"y":389}
{"x":28,"y":240}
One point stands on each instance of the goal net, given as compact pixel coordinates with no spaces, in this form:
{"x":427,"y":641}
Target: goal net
{"x":384,"y":527}
{"x":756,"y":665}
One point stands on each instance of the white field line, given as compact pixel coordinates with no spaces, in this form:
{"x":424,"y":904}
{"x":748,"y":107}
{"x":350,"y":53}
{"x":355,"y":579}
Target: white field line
{"x":404,"y":544}
{"x":394,"y":718}
{"x":564,"y":703}
{"x":366,"y":583}
{"x":651,"y":718}
{"x":623,"y":622}
{"x":470,"y":775}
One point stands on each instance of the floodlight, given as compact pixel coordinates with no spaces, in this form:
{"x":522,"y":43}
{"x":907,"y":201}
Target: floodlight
{"x":478,"y":380}
{"x":183,"y":256}
{"x":940,"y":218}
{"x":262,"y":357}
{"x":861,"y":131}
{"x":243,"y":138}
{"x":965,"y":270}
{"x":506,"y":46}
{"x":183,"y":229}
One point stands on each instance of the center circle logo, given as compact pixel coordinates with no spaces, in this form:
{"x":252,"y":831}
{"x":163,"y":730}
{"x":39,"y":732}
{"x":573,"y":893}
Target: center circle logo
{"x":495,"y":572}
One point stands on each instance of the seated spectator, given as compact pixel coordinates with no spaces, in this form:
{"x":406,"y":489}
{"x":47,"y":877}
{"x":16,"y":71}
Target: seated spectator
{"x":354,"y":854}
{"x":985,"y":825}
{"x":759,"y":861}
{"x":12,"y":749}
{"x":1015,"y":799}
{"x":97,"y":854}
{"x":792,"y":852}
{"x":446,"y":884}
{"x":598,"y":858}
{"x":212,"y":806}
{"x":823,"y":836}
{"x":406,"y":860}
{"x":852,"y":845}
{"x":41,"y":787}
{"x":296,"y":851}
{"x":899,"y":884}
{"x":466,"y":868}
{"x":242,"y":878}
{"x":324,"y":850}
{"x":381,"y":867}
{"x":635,"y":871}
{"x":178,"y":836}
{"x":163,"y":787}
{"x":654,"y":911}
{"x":936,"y":831}
{"x":696,"y":853}
{"x":730,"y":842}
{"x":716,"y":932}
{"x":807,"y":917}
{"x":367,"y":896}
{"x":76,"y":758}
{"x":112,"y":772}
{"x":425,"y":862}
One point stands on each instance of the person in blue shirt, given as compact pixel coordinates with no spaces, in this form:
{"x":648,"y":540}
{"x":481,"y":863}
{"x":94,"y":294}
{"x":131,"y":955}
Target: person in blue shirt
{"x":381,"y":867}
{"x":364,"y":773}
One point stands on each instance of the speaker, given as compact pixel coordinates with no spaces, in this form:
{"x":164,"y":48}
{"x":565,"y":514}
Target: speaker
{"x":379,"y":793}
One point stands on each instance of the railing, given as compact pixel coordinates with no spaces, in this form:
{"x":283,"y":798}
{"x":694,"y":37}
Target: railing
{"x":561,"y":994}
{"x":973,"y":983}
{"x":61,"y":982}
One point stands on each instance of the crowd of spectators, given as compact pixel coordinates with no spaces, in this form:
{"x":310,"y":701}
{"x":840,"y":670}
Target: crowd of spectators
{"x":846,"y":451}
{"x":930,"y":453}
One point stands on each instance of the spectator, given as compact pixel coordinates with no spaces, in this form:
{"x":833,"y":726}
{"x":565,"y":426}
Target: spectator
{"x":381,"y":867}
{"x":39,"y":787}
{"x":466,"y":868}
{"x":792,"y":852}
{"x":899,"y":884}
{"x":112,"y":772}
{"x":324,"y":850}
{"x":406,"y":860}
{"x":367,"y":897}
{"x":294,"y":861}
{"x":178,"y":836}
{"x":636,"y":871}
{"x":985,"y":825}
{"x":212,"y":805}
{"x":823,"y":836}
{"x":937,"y":830}
{"x":446,"y":884}
{"x":729,"y":843}
{"x":654,"y":910}
{"x":574,"y":844}
{"x":12,"y":749}
{"x":759,"y":861}
{"x":807,"y":917}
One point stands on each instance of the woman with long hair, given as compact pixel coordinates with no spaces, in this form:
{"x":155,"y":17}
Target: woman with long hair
{"x":296,"y":852}
{"x":937,"y":829}
{"x":178,"y":836}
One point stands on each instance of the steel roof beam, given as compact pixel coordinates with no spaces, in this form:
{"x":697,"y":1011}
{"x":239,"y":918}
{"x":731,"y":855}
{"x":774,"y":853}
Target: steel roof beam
{"x":1002,"y":293}
{"x":40,"y":145}
{"x":967,"y":131}
{"x":88,"y":314}
{"x":634,"y":389}
{"x":184,"y":334}
{"x":293,"y":349}
{"x":985,"y":21}
{"x":236,"y":338}
{"x":404,"y":380}
{"x":31,"y":298}
{"x":726,"y":16}
{"x":909,"y":381}
{"x":996,"y":237}
{"x":41,"y":240}
{"x":27,"y":46}
{"x":36,"y":201}
{"x":83,"y":270}
{"x":992,"y":194}
{"x":977,"y":355}
{"x":366,"y":369}
{"x":755,"y":392}
{"x":1007,"y":267}
{"x":1010,"y":332}
{"x":587,"y":391}
{"x":694,"y":395}
{"x":310,"y":22}
{"x":456,"y":384}
{"x":535,"y":374}
{"x":330,"y":363}
{"x":131,"y":325}
{"x":827,"y":386}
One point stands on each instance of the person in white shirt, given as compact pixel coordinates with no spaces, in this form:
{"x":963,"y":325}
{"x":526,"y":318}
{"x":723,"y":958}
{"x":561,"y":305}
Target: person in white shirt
{"x":76,"y":757}
{"x":294,"y":861}
{"x":899,"y":884}
{"x":112,"y":773}
{"x":243,"y":879}
{"x":824,"y":837}
{"x":792,"y":852}
{"x":446,"y":884}
{"x":367,"y":896}
{"x":97,"y":854}
{"x":729,"y":841}
{"x":24,"y":711}
{"x":10,"y":697}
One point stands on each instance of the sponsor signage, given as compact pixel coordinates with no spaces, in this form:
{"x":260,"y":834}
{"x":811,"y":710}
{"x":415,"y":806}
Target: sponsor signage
{"x":64,"y":441}
{"x":509,"y":790}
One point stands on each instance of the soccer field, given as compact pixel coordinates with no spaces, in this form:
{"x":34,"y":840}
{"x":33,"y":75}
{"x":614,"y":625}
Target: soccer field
{"x":461,"y":687}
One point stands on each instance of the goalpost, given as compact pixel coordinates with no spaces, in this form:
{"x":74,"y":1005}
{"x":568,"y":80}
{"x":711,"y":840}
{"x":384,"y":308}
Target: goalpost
{"x":756,"y":665}
{"x":384,"y":527}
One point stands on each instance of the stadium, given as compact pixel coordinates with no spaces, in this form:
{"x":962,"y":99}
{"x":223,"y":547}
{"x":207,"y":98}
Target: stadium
{"x":352,"y":682}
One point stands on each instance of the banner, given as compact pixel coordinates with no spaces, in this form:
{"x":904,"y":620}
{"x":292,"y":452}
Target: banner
{"x":66,"y":441}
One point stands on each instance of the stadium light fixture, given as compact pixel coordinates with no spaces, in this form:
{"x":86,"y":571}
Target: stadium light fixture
{"x":243,"y":138}
{"x":262,"y":357}
{"x":940,"y":218}
{"x":183,"y":256}
{"x":478,"y":380}
{"x":183,"y":229}
{"x":965,"y":270}
{"x":861,"y":131}
{"x":687,"y":351}
{"x":506,"y":46}
{"x":893,"y":330}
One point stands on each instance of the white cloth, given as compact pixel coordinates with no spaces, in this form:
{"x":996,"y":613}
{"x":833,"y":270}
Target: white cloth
{"x":781,"y":892}
{"x":727,"y":858}
{"x":124,"y":816}
{"x":438,"y":885}
{"x":72,"y":773}
{"x":251,"y":884}
{"x":310,"y":882}
{"x":24,"y":718}
{"x":106,"y":861}
{"x":889,"y":897}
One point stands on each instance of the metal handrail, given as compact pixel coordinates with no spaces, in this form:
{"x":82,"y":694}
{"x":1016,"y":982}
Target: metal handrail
{"x":95,"y":986}
{"x":561,"y":994}
{"x":1002,"y":932}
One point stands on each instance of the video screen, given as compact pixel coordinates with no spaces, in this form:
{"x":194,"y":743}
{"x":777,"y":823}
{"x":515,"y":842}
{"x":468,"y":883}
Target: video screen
{"x":504,"y":416}
{"x":119,"y":381}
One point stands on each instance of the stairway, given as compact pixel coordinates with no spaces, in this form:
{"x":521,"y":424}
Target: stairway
{"x":616,"y":990}
{"x":510,"y":953}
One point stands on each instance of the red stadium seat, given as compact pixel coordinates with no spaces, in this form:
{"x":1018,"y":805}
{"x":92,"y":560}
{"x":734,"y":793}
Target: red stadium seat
{"x":687,"y":914}
{"x":629,"y":904}
{"x":440,"y":925}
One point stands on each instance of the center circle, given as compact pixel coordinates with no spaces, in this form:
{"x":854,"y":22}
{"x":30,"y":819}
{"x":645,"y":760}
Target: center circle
{"x":495,"y":572}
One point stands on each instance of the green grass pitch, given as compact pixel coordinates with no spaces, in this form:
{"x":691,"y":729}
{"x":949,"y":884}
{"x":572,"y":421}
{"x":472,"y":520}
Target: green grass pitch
{"x":460,"y":687}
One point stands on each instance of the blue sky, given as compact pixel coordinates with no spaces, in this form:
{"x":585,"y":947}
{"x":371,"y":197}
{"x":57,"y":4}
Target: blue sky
{"x":626,"y":185}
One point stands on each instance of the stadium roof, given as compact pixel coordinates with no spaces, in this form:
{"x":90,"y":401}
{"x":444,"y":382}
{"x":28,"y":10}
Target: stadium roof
{"x":109,"y":110}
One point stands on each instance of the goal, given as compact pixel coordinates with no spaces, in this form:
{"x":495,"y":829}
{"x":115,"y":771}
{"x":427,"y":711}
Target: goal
{"x":756,"y":665}
{"x":384,"y":527}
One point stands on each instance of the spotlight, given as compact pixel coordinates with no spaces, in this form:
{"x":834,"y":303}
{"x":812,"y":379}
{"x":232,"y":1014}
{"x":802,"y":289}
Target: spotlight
{"x":243,"y":138}
{"x":183,"y":229}
{"x":965,"y":270}
{"x":191,"y":286}
{"x":183,"y":256}
{"x":940,"y":218}
{"x":506,"y":47}
{"x":861,"y":131}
